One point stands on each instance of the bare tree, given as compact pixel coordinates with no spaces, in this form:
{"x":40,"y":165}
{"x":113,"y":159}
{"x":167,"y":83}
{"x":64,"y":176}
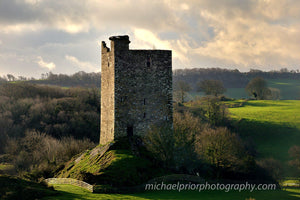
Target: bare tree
{"x":181,"y":88}
{"x":257,"y":88}
{"x":220,"y":148}
{"x":11,"y":77}
{"x":211,"y":87}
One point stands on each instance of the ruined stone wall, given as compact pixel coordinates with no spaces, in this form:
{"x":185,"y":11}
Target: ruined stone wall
{"x":107,"y":118}
{"x":69,"y":181}
{"x":143,"y":90}
{"x":136,"y":89}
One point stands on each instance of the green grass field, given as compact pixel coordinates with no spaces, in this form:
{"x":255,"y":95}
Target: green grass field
{"x":289,"y":90}
{"x":73,"y":192}
{"x":273,"y":125}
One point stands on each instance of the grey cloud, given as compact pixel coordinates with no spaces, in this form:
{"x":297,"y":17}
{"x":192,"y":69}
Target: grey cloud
{"x":14,"y":11}
{"x":204,"y":33}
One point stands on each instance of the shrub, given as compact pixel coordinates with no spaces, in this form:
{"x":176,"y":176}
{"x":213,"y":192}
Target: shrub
{"x":39,"y":153}
{"x":216,"y":112}
{"x":223,"y":150}
{"x":273,"y":167}
{"x":294,"y":152}
{"x":175,"y":147}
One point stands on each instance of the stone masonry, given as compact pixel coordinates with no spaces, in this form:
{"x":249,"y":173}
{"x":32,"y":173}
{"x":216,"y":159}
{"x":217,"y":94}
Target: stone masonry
{"x":136,"y":89}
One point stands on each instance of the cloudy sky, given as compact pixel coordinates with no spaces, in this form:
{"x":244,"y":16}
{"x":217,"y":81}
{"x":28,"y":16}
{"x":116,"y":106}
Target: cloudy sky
{"x":63,"y":36}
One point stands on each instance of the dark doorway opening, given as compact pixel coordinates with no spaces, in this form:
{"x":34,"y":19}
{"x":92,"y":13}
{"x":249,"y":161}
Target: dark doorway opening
{"x":129,"y":131}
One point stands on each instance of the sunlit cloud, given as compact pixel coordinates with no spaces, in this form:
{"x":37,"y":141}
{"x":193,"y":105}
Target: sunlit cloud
{"x":86,"y":66}
{"x":201,"y":33}
{"x":43,"y":64}
{"x":33,"y":2}
{"x":148,"y":40}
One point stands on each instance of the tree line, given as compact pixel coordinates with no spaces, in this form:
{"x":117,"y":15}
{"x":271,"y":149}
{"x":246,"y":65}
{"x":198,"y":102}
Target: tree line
{"x":79,"y":79}
{"x":51,"y":110}
{"x":41,"y":127}
{"x":230,"y":78}
{"x":257,"y":88}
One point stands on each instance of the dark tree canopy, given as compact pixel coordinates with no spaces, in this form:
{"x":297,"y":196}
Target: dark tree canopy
{"x":211,"y":87}
{"x":294,"y":152}
{"x":257,"y":88}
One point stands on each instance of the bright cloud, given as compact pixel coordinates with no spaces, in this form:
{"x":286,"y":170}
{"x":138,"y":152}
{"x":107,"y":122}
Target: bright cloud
{"x":86,"y":66}
{"x":201,"y":33}
{"x":43,"y":64}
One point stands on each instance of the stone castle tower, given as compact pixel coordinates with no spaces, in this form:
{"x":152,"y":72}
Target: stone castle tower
{"x":136,"y":89}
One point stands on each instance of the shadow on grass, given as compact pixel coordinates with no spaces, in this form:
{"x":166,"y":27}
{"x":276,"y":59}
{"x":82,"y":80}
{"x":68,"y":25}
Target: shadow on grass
{"x":246,"y":127}
{"x":263,"y":104}
{"x":73,"y":192}
{"x":64,"y":196}
{"x":271,"y":140}
{"x":222,"y":195}
{"x":174,"y":195}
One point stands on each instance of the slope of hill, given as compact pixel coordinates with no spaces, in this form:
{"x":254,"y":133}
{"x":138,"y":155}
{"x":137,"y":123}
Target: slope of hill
{"x":273,"y":125}
{"x":289,"y":88}
{"x":16,"y":188}
{"x":115,"y":164}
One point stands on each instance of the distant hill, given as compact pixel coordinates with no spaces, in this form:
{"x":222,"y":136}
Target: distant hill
{"x":230,"y":78}
{"x":79,"y":79}
{"x":288,"y":82}
{"x":234,"y":80}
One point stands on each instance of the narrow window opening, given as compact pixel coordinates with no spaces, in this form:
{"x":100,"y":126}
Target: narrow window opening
{"x":129,"y":131}
{"x":144,"y":101}
{"x":148,"y":61}
{"x":123,"y":99}
{"x":144,"y":115}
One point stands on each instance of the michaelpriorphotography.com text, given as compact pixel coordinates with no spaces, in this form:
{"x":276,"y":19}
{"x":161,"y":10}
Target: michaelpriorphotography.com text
{"x":226,"y":187}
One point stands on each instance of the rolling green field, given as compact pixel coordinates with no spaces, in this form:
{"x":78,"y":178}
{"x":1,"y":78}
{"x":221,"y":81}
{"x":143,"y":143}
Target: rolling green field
{"x":289,"y":90}
{"x":273,"y":125}
{"x":72,"y":192}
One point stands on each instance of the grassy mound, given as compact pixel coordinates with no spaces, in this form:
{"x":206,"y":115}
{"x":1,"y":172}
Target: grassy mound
{"x":117,"y":164}
{"x":15,"y":188}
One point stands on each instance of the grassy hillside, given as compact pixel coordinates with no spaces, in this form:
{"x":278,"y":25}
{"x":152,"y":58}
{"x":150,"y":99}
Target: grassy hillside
{"x":114,"y":165}
{"x":273,"y":125}
{"x":14,"y":188}
{"x":73,"y":192}
{"x":289,"y":90}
